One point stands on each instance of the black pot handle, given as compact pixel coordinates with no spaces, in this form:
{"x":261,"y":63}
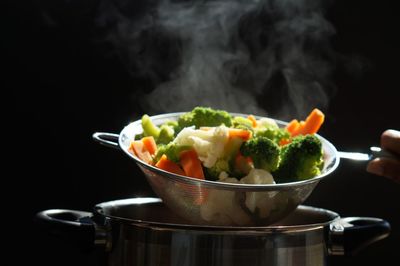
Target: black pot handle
{"x":76,"y":227}
{"x":347,"y":236}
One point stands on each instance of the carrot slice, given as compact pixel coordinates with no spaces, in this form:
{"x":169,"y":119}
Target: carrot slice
{"x":165,"y":164}
{"x":150,"y":144}
{"x":253,"y":120}
{"x":139,"y":149}
{"x":191,"y":164}
{"x":241,"y":133}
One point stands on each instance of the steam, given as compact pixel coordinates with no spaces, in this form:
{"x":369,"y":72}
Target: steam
{"x":251,"y":56}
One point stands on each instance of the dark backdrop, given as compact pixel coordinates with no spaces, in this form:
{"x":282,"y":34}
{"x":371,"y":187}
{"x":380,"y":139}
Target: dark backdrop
{"x":65,"y":87}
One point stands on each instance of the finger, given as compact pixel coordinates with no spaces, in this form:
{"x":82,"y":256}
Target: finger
{"x":385,"y":167}
{"x":390,"y":140}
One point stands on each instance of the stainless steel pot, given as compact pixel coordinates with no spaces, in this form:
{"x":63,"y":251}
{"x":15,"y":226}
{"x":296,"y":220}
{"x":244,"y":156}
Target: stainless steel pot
{"x":142,"y":231}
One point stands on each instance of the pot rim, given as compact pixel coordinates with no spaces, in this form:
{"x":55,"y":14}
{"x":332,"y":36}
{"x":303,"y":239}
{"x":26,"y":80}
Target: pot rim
{"x":100,"y":209}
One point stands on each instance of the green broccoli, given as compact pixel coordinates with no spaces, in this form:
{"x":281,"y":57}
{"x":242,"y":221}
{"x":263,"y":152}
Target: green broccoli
{"x":274,"y":134}
{"x":221,"y":165}
{"x":263,"y":151}
{"x":205,"y":117}
{"x":149,"y":129}
{"x":166,"y":135}
{"x":300,"y":160}
{"x":171,"y":150}
{"x":163,"y":134}
{"x":172,"y":123}
{"x":242,"y":123}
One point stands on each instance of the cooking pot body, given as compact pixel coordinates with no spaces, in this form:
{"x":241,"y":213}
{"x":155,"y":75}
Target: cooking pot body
{"x":137,"y":245}
{"x":144,"y":232}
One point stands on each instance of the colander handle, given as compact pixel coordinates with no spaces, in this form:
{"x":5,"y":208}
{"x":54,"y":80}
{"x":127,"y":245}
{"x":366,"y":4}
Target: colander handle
{"x":107,"y":139}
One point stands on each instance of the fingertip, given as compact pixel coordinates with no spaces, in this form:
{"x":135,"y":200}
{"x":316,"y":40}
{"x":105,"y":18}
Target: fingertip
{"x":385,"y":167}
{"x":375,"y":167}
{"x":392,"y":133}
{"x":390,"y":139}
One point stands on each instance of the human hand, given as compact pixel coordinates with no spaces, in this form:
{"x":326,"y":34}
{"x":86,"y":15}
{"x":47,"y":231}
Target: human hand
{"x":388,"y":167}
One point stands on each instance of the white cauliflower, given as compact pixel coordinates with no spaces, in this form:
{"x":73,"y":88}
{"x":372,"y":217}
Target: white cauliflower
{"x":222,"y":207}
{"x":209,"y":144}
{"x":258,"y":200}
{"x":267,"y":123}
{"x":258,"y":176}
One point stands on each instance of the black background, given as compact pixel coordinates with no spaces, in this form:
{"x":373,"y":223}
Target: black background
{"x":65,"y":87}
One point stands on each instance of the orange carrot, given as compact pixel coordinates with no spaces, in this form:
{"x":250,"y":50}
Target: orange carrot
{"x":241,"y":133}
{"x":139,"y":149}
{"x":150,"y":144}
{"x":311,"y":125}
{"x":283,"y":142}
{"x":191,"y":164}
{"x":313,"y":122}
{"x":299,"y":129}
{"x":253,"y":120}
{"x":292,"y":126}
{"x":165,"y":164}
{"x":192,"y":167}
{"x":242,"y":164}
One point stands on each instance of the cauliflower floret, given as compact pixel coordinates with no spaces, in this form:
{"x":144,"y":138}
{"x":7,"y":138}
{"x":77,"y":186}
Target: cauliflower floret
{"x":209,"y":144}
{"x":267,"y":123}
{"x":222,"y":206}
{"x":258,"y":200}
{"x":258,"y":176}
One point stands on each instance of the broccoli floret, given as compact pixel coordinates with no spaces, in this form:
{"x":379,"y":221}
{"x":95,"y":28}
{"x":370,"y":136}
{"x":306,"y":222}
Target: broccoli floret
{"x":301,"y":159}
{"x":171,"y":150}
{"x":149,"y":129}
{"x":163,"y":134}
{"x":172,"y":123}
{"x":274,"y":134}
{"x":205,"y":117}
{"x":167,"y":134}
{"x":242,"y":123}
{"x":221,"y":165}
{"x":263,"y":151}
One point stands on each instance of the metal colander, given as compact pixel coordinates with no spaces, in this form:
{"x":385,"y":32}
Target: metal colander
{"x":206,"y":202}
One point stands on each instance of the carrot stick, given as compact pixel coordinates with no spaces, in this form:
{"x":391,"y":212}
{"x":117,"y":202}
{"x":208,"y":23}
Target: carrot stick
{"x":150,"y":144}
{"x":313,"y":122}
{"x":253,"y":120}
{"x":191,"y":164}
{"x":241,"y":133}
{"x":292,"y":126}
{"x":299,"y":129}
{"x":165,"y":164}
{"x":192,"y":167}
